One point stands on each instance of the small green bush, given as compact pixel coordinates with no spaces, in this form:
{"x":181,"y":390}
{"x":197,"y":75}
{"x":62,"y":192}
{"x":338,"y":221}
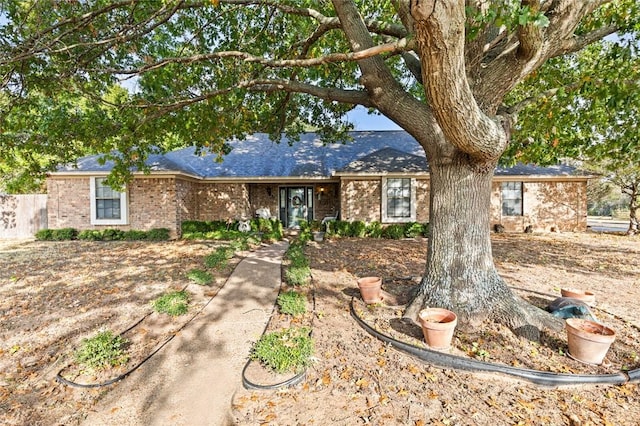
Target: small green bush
{"x":133,"y":235}
{"x":112,"y":234}
{"x":295,"y":255}
{"x":44,"y":235}
{"x":297,"y":275}
{"x":284,"y":351}
{"x":90,"y":235}
{"x":358,"y":229}
{"x":394,"y":232}
{"x":412,"y":229}
{"x":158,"y":234}
{"x":374,"y":230}
{"x":102,"y":350}
{"x":219,"y":258}
{"x":173,"y":303}
{"x":292,"y":303}
{"x":199,"y":276}
{"x":425,"y":229}
{"x":64,"y":234}
{"x":342,"y":228}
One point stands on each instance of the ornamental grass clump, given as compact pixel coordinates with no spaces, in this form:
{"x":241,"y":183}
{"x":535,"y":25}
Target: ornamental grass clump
{"x":200,"y":277}
{"x":285,"y":351}
{"x":292,"y":303}
{"x":102,"y":351}
{"x":174,"y":303}
{"x":219,"y":258}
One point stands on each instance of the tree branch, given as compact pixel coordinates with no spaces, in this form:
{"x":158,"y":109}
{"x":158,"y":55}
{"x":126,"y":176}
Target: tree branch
{"x":440,"y":33}
{"x":395,"y":47}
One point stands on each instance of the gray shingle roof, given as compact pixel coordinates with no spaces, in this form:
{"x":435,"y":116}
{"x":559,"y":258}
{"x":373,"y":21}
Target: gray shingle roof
{"x":258,"y":157}
{"x":388,"y":160}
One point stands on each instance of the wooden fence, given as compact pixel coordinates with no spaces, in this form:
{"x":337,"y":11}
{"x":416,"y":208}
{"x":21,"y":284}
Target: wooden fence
{"x":21,"y":216}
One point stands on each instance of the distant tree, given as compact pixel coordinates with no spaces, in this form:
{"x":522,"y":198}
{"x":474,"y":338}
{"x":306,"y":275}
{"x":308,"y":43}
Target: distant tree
{"x":205,"y":71}
{"x":587,"y":108}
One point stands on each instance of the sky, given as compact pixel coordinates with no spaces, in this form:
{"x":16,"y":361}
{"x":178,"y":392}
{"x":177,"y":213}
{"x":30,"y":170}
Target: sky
{"x":364,"y":121}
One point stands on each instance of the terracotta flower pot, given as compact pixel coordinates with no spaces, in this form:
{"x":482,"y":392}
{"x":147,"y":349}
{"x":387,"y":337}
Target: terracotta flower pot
{"x":370,"y":289}
{"x":586,"y":296}
{"x":438,"y":326}
{"x":588,"y":340}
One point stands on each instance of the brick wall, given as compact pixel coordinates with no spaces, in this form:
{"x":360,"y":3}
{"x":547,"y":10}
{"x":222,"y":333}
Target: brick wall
{"x":329,"y":202}
{"x":222,"y":201}
{"x":423,"y":192}
{"x":68,"y":203}
{"x":547,"y":206}
{"x":263,"y":196}
{"x":360,"y":200}
{"x":152,"y":204}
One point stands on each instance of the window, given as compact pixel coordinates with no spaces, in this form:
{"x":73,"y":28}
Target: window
{"x":108,"y":207}
{"x":398,"y":200}
{"x":512,"y":198}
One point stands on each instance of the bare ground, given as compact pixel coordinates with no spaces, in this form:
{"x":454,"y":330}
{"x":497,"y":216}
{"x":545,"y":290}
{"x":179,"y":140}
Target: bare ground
{"x":54,"y":294}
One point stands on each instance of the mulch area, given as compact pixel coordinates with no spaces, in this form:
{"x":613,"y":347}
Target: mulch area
{"x":358,"y":379}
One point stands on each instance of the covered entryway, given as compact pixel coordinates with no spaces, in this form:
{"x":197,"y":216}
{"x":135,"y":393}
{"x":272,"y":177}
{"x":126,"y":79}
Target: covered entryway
{"x":296,"y":204}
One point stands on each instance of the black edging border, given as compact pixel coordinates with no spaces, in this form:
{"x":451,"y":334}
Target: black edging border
{"x":60,"y":379}
{"x":298,"y":378}
{"x":542,"y":378}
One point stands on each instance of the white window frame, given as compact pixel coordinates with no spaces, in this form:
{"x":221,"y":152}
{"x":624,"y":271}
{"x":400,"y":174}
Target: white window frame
{"x":504,"y":188}
{"x":124,"y":210}
{"x":387,"y":219}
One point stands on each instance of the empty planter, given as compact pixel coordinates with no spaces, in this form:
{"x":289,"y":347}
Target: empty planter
{"x":586,"y":296}
{"x":370,"y":289}
{"x":438,"y":326}
{"x":588,"y":341}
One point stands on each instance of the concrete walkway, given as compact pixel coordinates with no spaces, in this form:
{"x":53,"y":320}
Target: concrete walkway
{"x":192,"y":380}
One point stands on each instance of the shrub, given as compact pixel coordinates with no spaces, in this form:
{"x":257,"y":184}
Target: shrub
{"x":44,"y":235}
{"x":284,"y":351}
{"x":112,"y":234}
{"x":158,"y":234}
{"x":173,"y":303}
{"x":374,"y":230}
{"x":425,"y":229}
{"x":102,"y":350}
{"x":297,"y":275}
{"x":219,"y":258}
{"x":394,"y":232}
{"x":295,"y":254}
{"x":412,"y":229}
{"x":292,"y":303}
{"x":134,"y":235}
{"x":342,"y":228}
{"x":64,"y":234}
{"x":199,"y":276}
{"x":305,"y":231}
{"x":90,"y":235}
{"x":358,"y":229}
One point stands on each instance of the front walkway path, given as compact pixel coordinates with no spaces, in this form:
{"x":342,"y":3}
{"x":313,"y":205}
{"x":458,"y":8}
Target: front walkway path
{"x":192,"y":380}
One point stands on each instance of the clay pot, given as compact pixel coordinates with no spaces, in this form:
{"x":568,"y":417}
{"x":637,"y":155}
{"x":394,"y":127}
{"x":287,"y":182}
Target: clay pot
{"x":370,"y":289}
{"x":438,"y":326}
{"x":588,"y":340}
{"x":586,"y":296}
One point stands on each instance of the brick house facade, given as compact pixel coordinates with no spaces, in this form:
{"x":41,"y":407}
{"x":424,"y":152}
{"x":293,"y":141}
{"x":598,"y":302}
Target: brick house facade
{"x":381,"y":176}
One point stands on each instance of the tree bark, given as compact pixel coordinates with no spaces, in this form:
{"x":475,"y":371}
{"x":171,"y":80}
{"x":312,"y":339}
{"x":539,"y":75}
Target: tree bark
{"x":460,"y":274}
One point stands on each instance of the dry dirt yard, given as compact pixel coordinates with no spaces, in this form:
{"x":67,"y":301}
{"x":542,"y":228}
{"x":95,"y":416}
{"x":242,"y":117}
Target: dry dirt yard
{"x":54,"y":294}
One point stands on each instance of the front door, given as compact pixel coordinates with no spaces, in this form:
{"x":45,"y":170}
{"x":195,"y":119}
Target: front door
{"x":296,"y":204}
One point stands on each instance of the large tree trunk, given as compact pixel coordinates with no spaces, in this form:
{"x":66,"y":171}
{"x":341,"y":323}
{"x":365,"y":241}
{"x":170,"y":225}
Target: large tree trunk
{"x":460,"y":274}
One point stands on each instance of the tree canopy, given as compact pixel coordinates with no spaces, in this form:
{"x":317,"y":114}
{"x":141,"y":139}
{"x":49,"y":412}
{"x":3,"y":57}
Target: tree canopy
{"x":456,"y":75}
{"x":201,"y":72}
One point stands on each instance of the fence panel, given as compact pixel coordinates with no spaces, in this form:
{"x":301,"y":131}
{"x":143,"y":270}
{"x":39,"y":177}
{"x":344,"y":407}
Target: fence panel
{"x":21,"y":216}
